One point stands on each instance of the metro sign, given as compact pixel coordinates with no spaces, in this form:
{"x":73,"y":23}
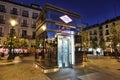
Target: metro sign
{"x":66,"y":19}
{"x":65,"y":32}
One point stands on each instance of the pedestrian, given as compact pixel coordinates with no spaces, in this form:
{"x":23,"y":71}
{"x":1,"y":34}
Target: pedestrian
{"x":1,"y":51}
{"x":97,"y":53}
{"x":0,"y":55}
{"x":116,"y":53}
{"x":85,"y":56}
{"x":38,"y":54}
{"x":41,"y":53}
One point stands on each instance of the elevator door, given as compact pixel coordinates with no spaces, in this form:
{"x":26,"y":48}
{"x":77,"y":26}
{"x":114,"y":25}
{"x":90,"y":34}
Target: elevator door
{"x":63,"y":52}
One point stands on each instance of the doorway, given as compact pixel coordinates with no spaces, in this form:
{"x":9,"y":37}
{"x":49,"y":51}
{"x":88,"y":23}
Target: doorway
{"x":64,"y":51}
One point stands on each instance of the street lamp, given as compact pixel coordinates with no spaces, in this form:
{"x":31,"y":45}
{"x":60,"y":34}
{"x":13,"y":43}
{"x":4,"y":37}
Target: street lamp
{"x":44,"y":36}
{"x":13,"y":23}
{"x":12,"y":31}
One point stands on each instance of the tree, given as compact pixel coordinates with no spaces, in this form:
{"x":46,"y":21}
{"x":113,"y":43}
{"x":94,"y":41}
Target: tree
{"x":93,"y":43}
{"x":115,"y":35}
{"x":17,"y":42}
{"x":84,"y":38}
{"x":102,"y":43}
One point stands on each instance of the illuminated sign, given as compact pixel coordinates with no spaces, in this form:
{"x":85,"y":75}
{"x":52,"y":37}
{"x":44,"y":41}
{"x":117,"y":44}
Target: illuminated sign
{"x":66,"y":19}
{"x":65,"y":32}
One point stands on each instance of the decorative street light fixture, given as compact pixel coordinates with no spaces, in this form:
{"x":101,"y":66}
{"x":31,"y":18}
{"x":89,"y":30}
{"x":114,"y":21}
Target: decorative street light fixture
{"x":12,"y":31}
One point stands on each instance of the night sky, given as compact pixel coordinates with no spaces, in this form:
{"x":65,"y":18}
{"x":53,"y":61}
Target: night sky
{"x":92,"y":11}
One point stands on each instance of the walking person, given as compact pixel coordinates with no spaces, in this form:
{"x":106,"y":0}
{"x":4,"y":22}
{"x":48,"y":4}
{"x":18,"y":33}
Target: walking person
{"x":85,"y":56}
{"x":1,"y":52}
{"x":37,"y":54}
{"x":97,"y":53}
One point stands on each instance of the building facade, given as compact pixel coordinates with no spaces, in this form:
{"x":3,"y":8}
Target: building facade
{"x":102,"y":33}
{"x":25,"y":17}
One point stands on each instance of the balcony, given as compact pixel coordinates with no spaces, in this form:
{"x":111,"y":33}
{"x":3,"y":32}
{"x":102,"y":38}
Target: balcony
{"x":1,"y":34}
{"x":14,"y":12}
{"x":25,"y":36}
{"x":3,"y":10}
{"x":106,"y":33}
{"x":2,"y":21}
{"x":90,"y":33}
{"x":100,"y":28}
{"x":24,"y":25}
{"x":34,"y":17}
{"x":95,"y":33}
{"x":25,"y":15}
{"x":95,"y":39}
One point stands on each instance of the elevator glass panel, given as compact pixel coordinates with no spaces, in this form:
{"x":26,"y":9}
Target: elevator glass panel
{"x":63,"y":52}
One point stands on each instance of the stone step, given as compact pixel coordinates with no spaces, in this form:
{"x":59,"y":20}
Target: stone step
{"x":47,"y":69}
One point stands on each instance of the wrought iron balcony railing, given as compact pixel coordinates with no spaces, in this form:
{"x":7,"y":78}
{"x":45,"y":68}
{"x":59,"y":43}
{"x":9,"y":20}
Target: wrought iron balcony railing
{"x":14,"y":12}
{"x":24,"y":25}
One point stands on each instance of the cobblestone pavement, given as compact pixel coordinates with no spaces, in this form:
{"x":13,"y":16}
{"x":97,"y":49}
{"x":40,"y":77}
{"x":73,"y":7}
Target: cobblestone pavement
{"x":22,"y":71}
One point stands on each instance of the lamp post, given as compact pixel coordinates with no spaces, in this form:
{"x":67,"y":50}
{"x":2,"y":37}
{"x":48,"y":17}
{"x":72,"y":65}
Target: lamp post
{"x":11,"y":55}
{"x":44,"y":36}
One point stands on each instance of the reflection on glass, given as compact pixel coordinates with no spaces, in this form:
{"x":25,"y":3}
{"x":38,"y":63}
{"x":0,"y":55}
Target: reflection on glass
{"x":63,"y":51}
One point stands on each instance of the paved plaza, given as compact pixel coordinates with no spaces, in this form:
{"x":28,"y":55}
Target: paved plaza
{"x":96,"y":68}
{"x":22,"y":71}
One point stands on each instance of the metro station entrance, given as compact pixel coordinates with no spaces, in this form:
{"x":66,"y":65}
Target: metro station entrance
{"x":65,"y":51}
{"x":55,"y":31}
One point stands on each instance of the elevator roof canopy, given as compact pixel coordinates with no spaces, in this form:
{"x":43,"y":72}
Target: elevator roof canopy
{"x":57,"y":19}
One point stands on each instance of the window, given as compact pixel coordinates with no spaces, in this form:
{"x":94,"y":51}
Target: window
{"x":33,"y":35}
{"x":35,"y":15}
{"x":2,"y":8}
{"x":25,"y":13}
{"x":33,"y":24}
{"x":14,"y":11}
{"x":100,"y":27}
{"x":24,"y":24}
{"x":1,"y":17}
{"x":90,"y":32}
{"x":95,"y":38}
{"x":1,"y":34}
{"x":2,"y":21}
{"x":95,"y":32}
{"x":91,"y":38}
{"x":101,"y":33}
{"x":24,"y":21}
{"x":107,"y":39}
{"x":113,"y":23}
{"x":106,"y":26}
{"x":107,"y":32}
{"x":0,"y":29}
{"x":24,"y":33}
